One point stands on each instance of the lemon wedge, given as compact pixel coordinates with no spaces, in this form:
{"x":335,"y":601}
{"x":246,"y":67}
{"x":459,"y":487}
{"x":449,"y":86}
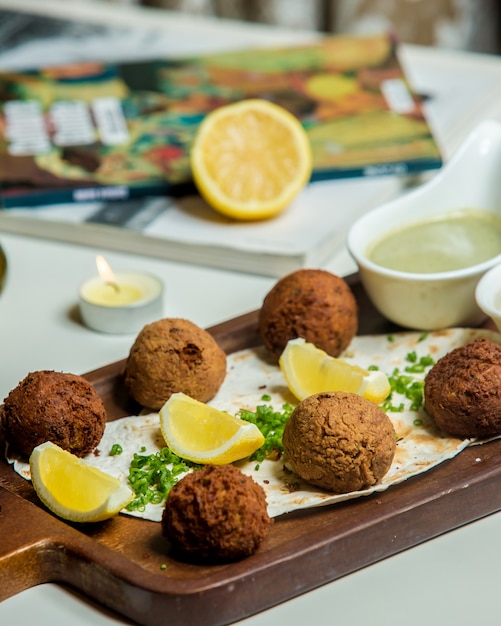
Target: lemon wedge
{"x":202,"y":434}
{"x":73,"y":490}
{"x":308,"y":370}
{"x":250,"y":159}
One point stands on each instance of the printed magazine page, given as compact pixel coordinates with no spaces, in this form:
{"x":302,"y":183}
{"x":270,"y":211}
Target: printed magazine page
{"x":93,"y":130}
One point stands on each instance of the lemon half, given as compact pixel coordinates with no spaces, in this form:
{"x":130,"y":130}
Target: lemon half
{"x":73,"y":490}
{"x":308,"y":370}
{"x":202,"y":434}
{"x":250,"y":159}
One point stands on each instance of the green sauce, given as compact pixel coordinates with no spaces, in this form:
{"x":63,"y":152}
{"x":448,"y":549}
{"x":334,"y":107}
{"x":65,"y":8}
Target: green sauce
{"x":459,"y":240}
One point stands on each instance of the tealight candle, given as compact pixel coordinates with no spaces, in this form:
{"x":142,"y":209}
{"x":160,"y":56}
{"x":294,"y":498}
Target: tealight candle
{"x":114,"y":294}
{"x":121,"y":302}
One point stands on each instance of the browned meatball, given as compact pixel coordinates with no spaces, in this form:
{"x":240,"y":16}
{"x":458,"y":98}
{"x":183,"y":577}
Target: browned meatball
{"x":216,"y":514}
{"x":339,"y":441}
{"x":54,"y":406}
{"x":462,"y":391}
{"x":174,"y":355}
{"x":313,"y":304}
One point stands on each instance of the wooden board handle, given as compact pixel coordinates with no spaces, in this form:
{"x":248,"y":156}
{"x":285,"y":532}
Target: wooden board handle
{"x":27,"y":532}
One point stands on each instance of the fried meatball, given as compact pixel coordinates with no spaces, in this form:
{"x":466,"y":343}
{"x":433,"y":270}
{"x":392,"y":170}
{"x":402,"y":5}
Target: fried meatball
{"x":216,"y":514}
{"x":339,"y":441}
{"x":53,"y":406}
{"x":462,"y":391}
{"x":313,"y":304}
{"x":174,"y":355}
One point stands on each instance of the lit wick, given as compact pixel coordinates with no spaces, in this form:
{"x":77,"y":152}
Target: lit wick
{"x":106,"y":273}
{"x":114,"y":286}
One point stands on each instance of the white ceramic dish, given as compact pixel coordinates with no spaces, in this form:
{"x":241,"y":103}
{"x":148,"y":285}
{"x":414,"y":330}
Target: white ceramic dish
{"x":471,"y":179}
{"x":488,"y":295}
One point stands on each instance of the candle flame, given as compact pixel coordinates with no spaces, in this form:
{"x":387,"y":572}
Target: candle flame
{"x":104,"y":270}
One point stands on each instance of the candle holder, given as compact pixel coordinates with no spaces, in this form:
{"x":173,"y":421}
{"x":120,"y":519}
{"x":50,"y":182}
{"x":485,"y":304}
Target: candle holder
{"x":121,"y":306}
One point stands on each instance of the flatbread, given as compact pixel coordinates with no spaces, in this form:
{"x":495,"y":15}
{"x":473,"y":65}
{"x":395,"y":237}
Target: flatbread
{"x":251,"y":373}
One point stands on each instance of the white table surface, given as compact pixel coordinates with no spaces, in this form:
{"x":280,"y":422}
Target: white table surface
{"x":453,"y":579}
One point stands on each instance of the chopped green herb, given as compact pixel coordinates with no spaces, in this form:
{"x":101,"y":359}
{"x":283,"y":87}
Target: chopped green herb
{"x":420,"y":366}
{"x":411,"y":357}
{"x":406,"y":385}
{"x":271,"y":423}
{"x":163,"y":566}
{"x":116,"y":449}
{"x":415,"y":395}
{"x":418,"y":422}
{"x":389,"y":407}
{"x":266,"y":397}
{"x":391,"y":338}
{"x":153,"y":476}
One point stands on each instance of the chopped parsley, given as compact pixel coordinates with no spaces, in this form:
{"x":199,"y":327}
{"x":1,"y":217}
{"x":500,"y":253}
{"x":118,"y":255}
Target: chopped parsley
{"x":271,"y":423}
{"x":116,"y":449}
{"x":406,"y":385}
{"x":418,"y":366}
{"x":152,"y":476}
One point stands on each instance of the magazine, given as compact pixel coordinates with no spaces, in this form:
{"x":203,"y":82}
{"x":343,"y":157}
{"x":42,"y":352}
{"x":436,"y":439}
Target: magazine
{"x":95,"y":131}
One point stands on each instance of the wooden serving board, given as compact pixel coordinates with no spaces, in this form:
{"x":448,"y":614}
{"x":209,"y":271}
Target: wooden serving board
{"x":120,"y":562}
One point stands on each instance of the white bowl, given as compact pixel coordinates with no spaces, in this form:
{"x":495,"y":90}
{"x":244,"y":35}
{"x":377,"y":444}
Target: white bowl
{"x":471,"y":179}
{"x":488,"y":295}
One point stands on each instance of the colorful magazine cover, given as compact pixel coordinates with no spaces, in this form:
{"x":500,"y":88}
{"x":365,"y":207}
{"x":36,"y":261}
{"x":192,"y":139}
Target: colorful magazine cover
{"x":95,"y":131}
